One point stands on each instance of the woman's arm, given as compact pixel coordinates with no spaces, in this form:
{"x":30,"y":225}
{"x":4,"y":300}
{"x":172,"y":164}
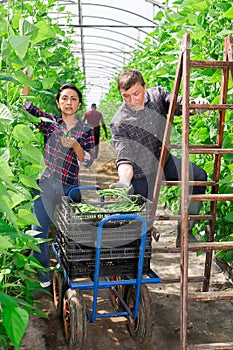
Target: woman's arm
{"x":72,"y":143}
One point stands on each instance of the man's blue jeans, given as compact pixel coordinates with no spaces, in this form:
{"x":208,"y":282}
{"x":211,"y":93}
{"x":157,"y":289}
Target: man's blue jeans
{"x":172,"y":171}
{"x":50,"y":194}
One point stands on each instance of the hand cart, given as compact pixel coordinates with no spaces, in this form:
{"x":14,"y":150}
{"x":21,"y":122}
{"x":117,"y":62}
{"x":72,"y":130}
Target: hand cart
{"x":121,"y":265}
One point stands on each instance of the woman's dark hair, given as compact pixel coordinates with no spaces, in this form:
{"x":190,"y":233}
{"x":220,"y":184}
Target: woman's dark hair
{"x":69,"y":86}
{"x":130,"y":77}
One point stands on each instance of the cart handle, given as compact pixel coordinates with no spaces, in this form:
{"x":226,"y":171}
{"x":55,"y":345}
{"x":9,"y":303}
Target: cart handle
{"x":81,"y":188}
{"x":140,"y":260}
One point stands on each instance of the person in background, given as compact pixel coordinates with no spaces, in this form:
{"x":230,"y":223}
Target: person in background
{"x":68,"y":144}
{"x":137,"y":131}
{"x":94,"y":118}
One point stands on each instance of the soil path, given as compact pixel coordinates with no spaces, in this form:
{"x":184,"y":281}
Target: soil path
{"x":208,"y":322}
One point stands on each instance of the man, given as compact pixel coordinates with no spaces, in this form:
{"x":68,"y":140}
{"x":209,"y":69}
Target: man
{"x":137,"y":131}
{"x":94,"y":118}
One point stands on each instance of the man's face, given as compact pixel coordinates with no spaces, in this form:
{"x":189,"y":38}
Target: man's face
{"x":134,"y":96}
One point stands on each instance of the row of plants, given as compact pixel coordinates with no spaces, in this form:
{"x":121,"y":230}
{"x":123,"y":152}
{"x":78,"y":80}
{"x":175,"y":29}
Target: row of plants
{"x":208,"y":22}
{"x":29,"y":38}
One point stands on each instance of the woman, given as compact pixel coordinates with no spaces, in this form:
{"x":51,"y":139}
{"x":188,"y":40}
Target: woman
{"x":69,"y":143}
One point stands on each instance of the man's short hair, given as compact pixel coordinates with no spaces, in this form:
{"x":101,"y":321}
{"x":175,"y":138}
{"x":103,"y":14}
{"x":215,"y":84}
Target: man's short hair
{"x":130,"y":77}
{"x":93,"y":105}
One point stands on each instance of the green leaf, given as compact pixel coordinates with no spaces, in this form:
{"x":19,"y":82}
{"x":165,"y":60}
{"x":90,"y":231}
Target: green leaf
{"x":5,"y":243}
{"x":28,"y":29}
{"x":203,"y":134}
{"x":22,"y":132}
{"x":5,"y":206}
{"x":44,"y":32}
{"x":15,"y":321}
{"x":7,"y":77}
{"x":19,"y":44}
{"x":28,"y":181}
{"x":5,"y":154}
{"x":7,"y":300}
{"x":5,"y":170}
{"x":19,"y":188}
{"x":30,"y":117}
{"x":229,"y":13}
{"x":16,"y":198}
{"x":229,"y":217}
{"x":4,"y":25}
{"x":34,"y":171}
{"x":6,"y":117}
{"x":48,"y":82}
{"x":32,"y":154}
{"x":4,"y":227}
{"x":228,"y":141}
{"x":27,"y":217}
{"x":23,"y":79}
{"x":5,"y":49}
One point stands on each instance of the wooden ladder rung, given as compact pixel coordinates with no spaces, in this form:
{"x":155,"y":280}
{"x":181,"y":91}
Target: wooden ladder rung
{"x":211,"y":106}
{"x":191,"y":183}
{"x":211,"y":150}
{"x":196,"y":247}
{"x":212,"y":346}
{"x":191,"y":279}
{"x":211,"y":197}
{"x":210,"y":296}
{"x":210,"y":64}
{"x":207,"y":246}
{"x":177,"y":217}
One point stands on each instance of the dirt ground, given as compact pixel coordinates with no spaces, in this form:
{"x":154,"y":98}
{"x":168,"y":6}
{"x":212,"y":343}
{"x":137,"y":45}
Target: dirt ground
{"x":208,"y":322}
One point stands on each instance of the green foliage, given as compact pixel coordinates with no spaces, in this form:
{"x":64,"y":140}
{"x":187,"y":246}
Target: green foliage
{"x":28,"y":38}
{"x":17,"y":282}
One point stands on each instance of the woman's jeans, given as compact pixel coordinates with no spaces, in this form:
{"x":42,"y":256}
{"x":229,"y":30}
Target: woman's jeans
{"x":50,"y":194}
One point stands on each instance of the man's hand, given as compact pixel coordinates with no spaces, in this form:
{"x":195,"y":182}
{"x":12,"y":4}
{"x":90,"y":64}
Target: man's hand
{"x":199,"y":101}
{"x":124,"y":185}
{"x":119,"y":184}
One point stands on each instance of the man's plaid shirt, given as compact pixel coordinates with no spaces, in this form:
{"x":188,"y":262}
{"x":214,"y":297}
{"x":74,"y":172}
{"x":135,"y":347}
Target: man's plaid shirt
{"x":138,"y":135}
{"x":62,"y":163}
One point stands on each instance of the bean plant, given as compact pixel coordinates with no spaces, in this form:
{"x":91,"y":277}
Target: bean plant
{"x":29,"y":39}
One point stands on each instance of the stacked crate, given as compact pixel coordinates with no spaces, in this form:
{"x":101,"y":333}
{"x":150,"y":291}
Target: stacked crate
{"x":76,"y":241}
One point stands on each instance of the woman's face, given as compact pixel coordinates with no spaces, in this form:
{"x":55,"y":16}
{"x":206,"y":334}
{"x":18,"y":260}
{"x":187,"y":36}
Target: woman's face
{"x":68,"y":102}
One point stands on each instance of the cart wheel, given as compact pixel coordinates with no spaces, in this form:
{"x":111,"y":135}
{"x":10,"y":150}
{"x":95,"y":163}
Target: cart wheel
{"x":122,"y":291}
{"x":141,"y":328}
{"x":59,"y":287}
{"x":74,"y":318}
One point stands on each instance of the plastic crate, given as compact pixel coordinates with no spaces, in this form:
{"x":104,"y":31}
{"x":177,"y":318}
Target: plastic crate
{"x":108,"y":267}
{"x":74,"y":251}
{"x":120,"y":244}
{"x":82,"y":227}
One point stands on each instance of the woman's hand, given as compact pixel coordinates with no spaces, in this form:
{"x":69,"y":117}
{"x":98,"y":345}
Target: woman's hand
{"x":70,"y":142}
{"x":25,"y":91}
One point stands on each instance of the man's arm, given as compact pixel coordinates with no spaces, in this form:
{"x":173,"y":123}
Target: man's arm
{"x":125,"y":172}
{"x":104,"y":127}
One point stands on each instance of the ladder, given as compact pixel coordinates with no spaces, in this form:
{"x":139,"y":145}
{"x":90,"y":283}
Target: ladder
{"x":185,"y":64}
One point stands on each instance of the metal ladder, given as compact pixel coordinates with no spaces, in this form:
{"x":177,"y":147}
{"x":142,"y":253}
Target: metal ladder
{"x":185,"y":64}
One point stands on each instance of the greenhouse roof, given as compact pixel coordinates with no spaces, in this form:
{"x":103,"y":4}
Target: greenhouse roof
{"x":105,"y":33}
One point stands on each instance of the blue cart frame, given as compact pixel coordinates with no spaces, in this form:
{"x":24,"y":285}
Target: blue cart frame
{"x":96,"y":284}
